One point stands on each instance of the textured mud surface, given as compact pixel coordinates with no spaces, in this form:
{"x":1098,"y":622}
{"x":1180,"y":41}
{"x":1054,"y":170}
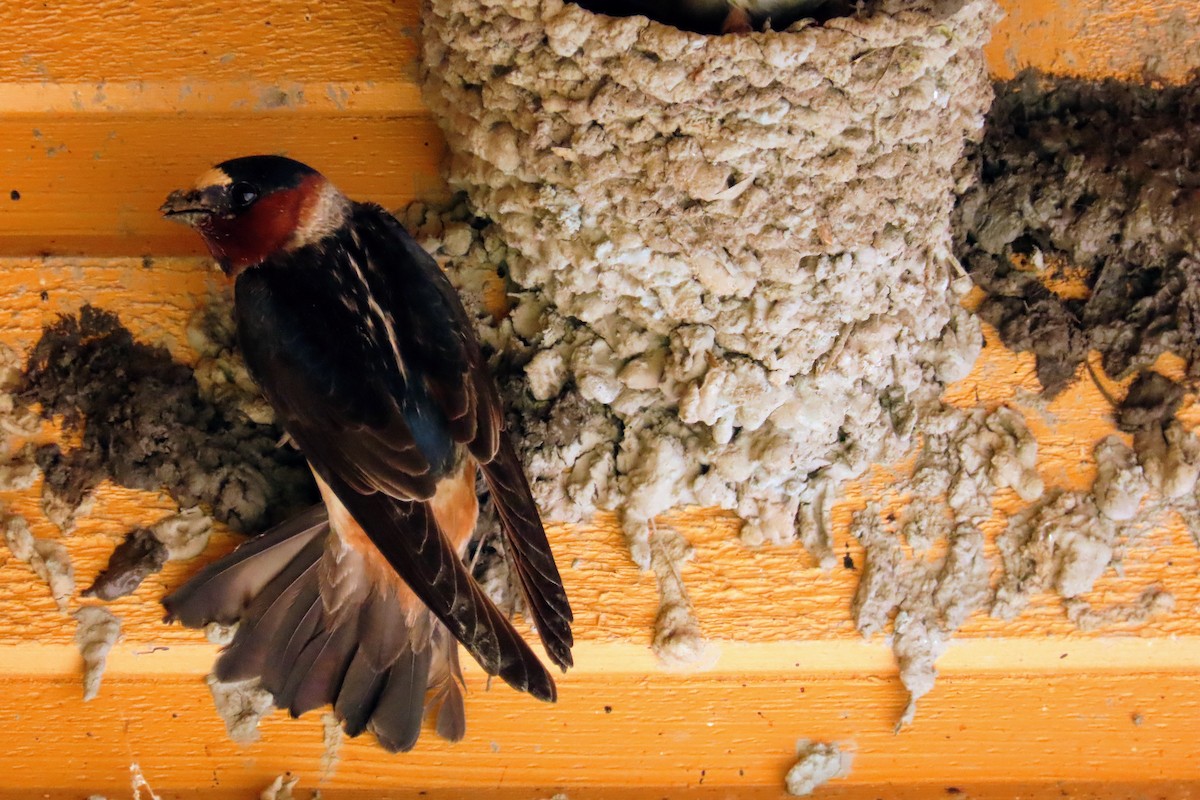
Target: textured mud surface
{"x":816,"y":764}
{"x":713,"y":315}
{"x":1104,"y":177}
{"x":139,"y":555}
{"x":144,"y":424}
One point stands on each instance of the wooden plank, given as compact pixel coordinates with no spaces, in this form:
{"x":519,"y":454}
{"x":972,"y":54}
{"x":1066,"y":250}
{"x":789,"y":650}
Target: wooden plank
{"x":97,"y":41}
{"x":1125,"y":39}
{"x":92,"y":183}
{"x":357,"y":42}
{"x":652,"y":735}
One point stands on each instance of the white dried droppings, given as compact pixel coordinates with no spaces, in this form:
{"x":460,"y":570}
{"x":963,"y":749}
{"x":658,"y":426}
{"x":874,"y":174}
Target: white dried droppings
{"x":1120,"y":483}
{"x":280,"y":788}
{"x":220,"y":634}
{"x":677,"y":640}
{"x":48,"y":558}
{"x":816,"y":764}
{"x":138,"y":782}
{"x":242,"y":705}
{"x":96,"y":632}
{"x":332,"y":738}
{"x":185,"y":535}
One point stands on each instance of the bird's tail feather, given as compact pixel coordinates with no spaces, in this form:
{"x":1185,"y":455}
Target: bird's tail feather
{"x":380,"y":671}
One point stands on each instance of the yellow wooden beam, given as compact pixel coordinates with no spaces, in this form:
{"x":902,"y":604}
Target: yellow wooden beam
{"x":646,"y":733}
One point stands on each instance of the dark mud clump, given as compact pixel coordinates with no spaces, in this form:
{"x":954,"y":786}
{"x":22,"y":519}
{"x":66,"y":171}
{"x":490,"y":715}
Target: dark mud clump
{"x":1105,"y":177}
{"x":144,"y":425}
{"x":1152,"y":400}
{"x":140,"y":555}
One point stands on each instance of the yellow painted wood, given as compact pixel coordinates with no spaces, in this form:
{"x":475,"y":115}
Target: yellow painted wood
{"x":1128,"y":39}
{"x":86,"y":41}
{"x":92,"y":183}
{"x":107,"y":105}
{"x":651,"y":735}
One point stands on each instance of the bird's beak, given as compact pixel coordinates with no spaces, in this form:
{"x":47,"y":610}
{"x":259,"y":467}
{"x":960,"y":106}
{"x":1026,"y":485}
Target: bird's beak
{"x":188,"y":206}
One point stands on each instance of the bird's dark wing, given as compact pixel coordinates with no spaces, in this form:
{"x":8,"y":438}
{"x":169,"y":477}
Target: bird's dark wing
{"x":364,"y":350}
{"x":466,"y":385}
{"x":526,"y":545}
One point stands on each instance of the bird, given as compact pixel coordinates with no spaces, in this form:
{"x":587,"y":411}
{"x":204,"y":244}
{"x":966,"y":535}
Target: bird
{"x":361,"y":345}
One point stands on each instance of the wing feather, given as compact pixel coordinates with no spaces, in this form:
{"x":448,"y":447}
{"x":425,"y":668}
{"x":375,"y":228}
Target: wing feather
{"x":363,"y":348}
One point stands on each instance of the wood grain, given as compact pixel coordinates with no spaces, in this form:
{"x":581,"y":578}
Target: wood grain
{"x":648,"y":735}
{"x":97,"y":41}
{"x":1127,"y":39}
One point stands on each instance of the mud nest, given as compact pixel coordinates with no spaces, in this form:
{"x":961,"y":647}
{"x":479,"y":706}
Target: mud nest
{"x":736,"y":249}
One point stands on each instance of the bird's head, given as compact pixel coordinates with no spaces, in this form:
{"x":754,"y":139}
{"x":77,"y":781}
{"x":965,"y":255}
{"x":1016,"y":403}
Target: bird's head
{"x":250,"y":209}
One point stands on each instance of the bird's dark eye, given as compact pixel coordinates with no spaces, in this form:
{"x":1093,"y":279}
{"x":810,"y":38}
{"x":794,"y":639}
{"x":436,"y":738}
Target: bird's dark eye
{"x":242,"y":195}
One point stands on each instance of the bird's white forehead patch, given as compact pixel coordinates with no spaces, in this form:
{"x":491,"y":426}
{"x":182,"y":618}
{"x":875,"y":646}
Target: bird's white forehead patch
{"x":214,"y":177}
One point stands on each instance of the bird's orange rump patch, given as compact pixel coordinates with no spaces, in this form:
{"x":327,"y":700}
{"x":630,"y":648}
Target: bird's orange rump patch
{"x":455,"y":508}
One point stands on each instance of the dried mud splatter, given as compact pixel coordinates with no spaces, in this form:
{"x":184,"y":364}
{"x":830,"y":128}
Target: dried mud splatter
{"x":139,"y":555}
{"x":816,"y":764}
{"x":46,"y":557}
{"x":1104,"y":177}
{"x":96,"y":632}
{"x":144,"y":424}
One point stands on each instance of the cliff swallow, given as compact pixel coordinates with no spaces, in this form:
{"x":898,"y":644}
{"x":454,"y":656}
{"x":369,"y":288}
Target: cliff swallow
{"x":363,"y":348}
